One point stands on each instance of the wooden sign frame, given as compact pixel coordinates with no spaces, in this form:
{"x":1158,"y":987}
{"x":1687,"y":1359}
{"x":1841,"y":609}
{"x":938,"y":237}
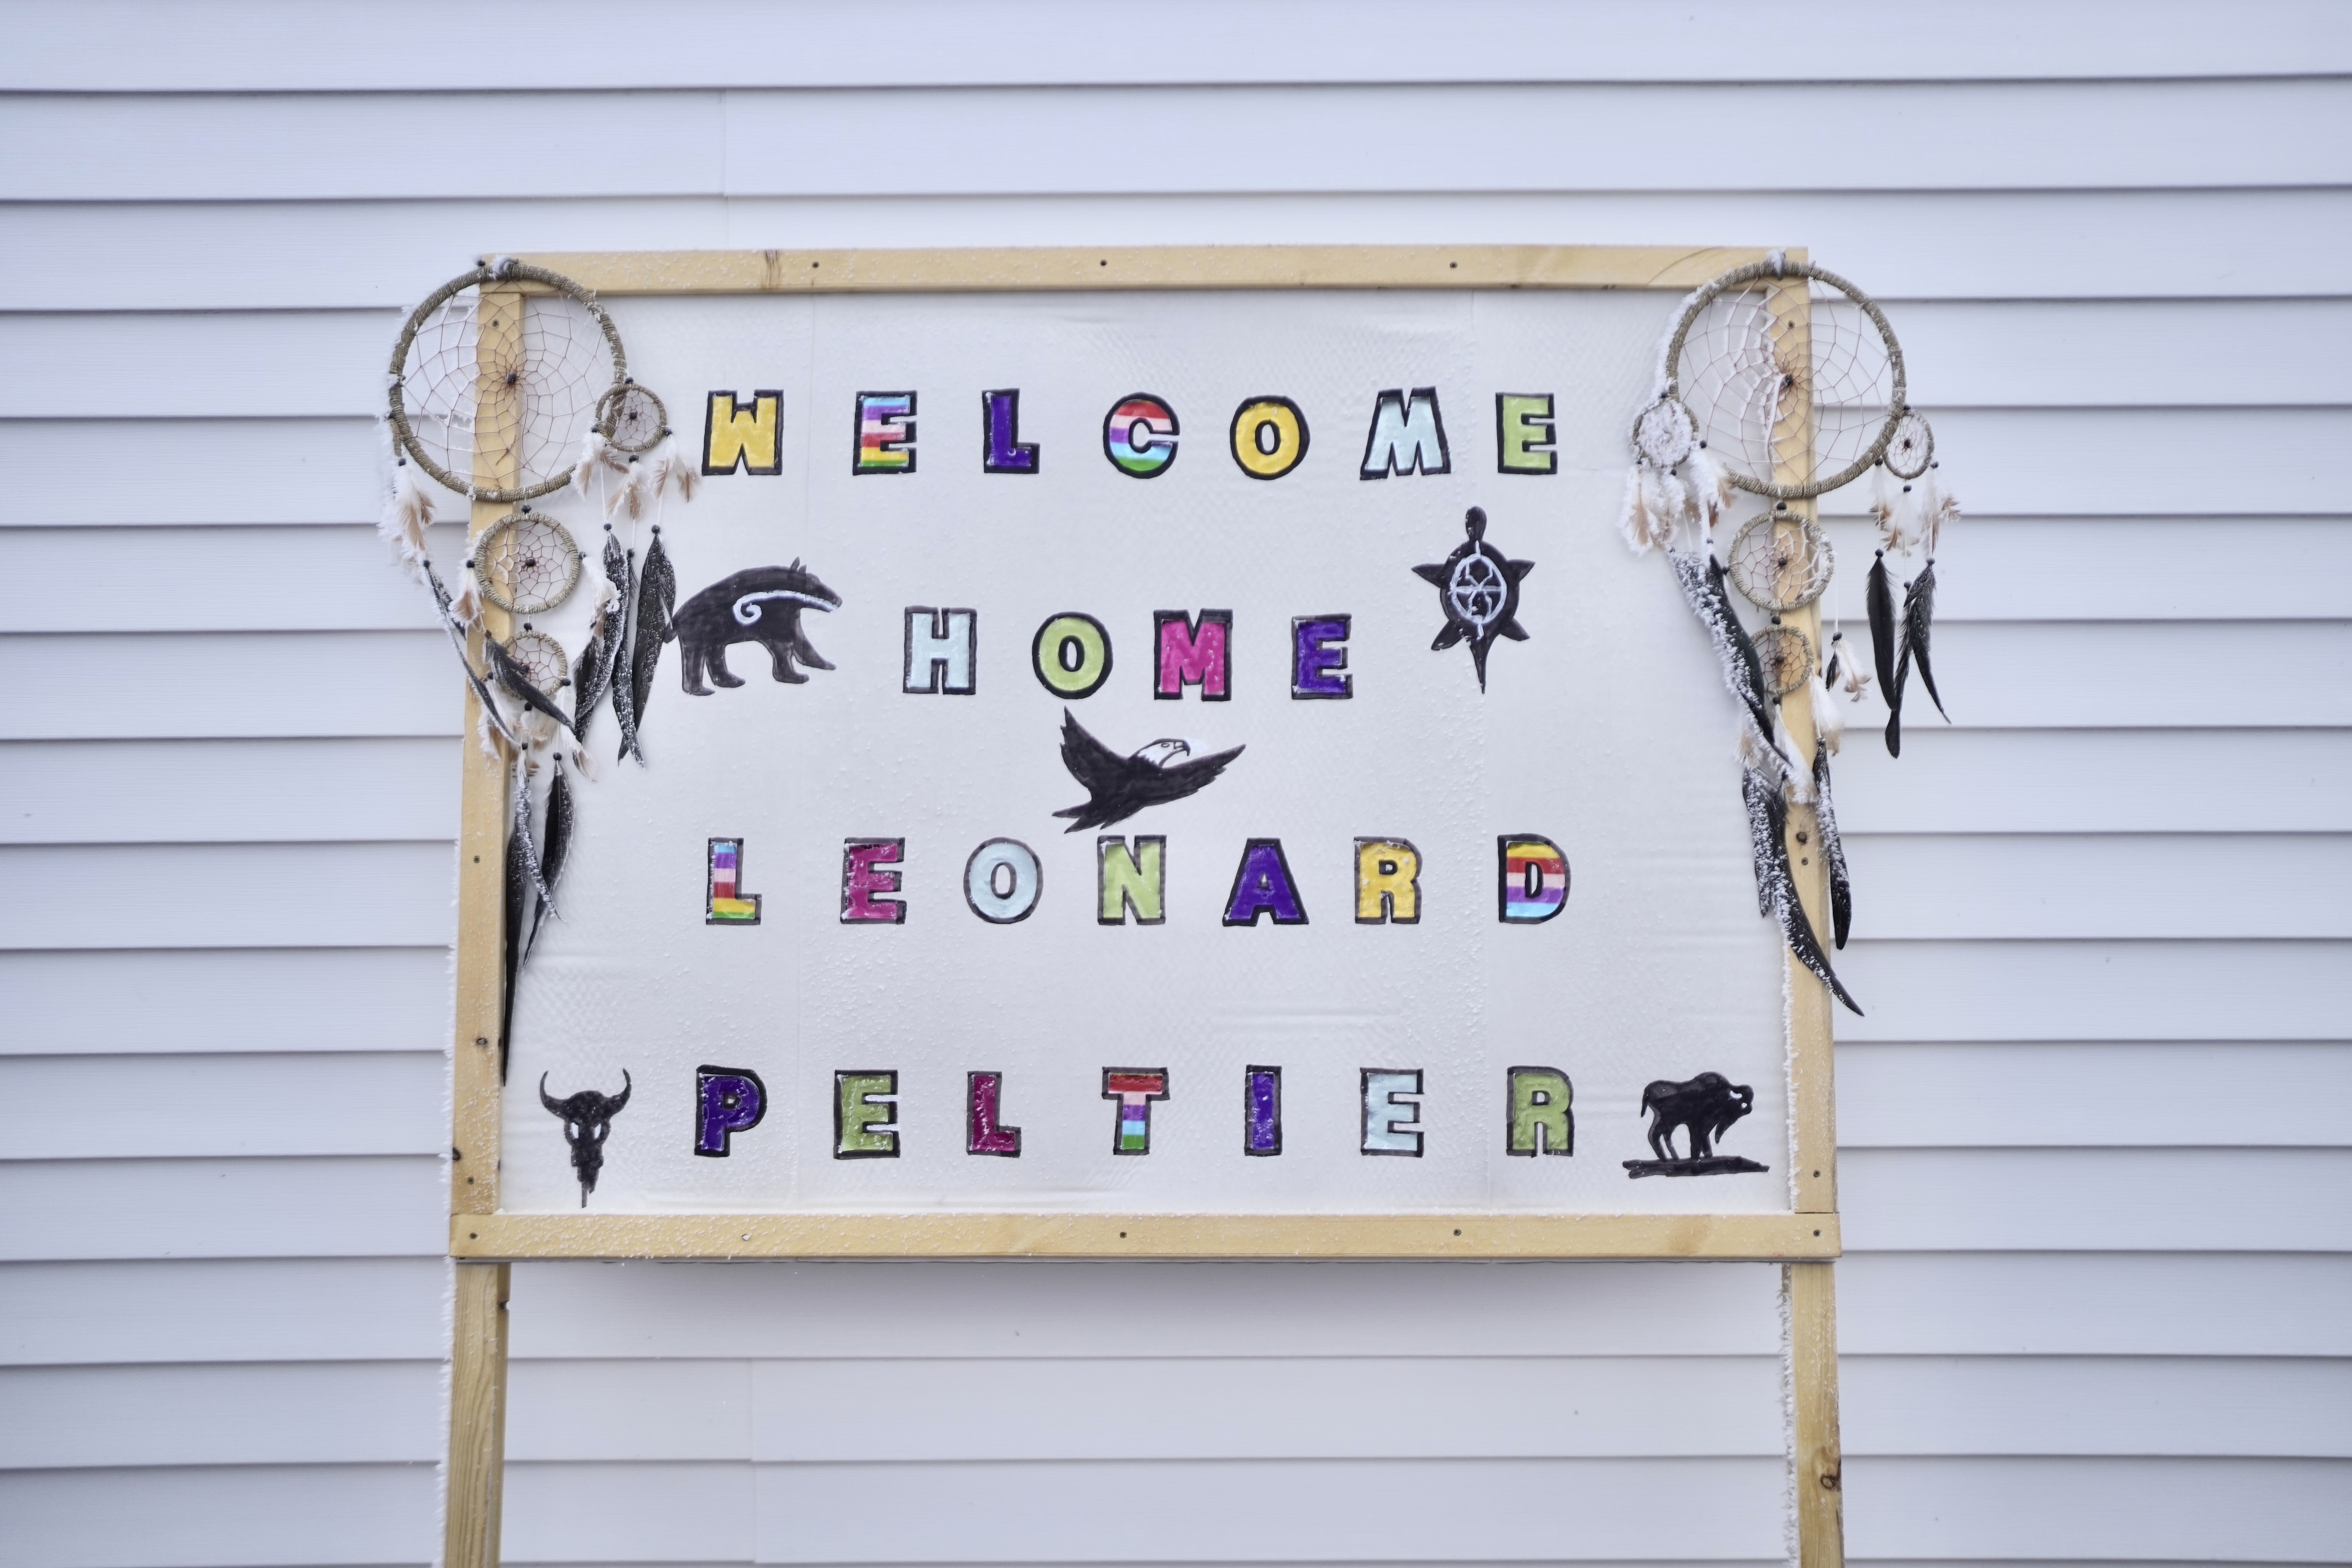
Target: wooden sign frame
{"x":483,"y":1241}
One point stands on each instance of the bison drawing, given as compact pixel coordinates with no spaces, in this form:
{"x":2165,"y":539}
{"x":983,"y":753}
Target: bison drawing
{"x":587,"y":1123}
{"x":763,"y":605}
{"x":1703,"y":1106}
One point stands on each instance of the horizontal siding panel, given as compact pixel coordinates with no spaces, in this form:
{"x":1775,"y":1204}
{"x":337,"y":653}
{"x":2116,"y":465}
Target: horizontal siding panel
{"x":227,"y":895}
{"x":2030,"y":244}
{"x":2098,"y":1404}
{"x":237,"y":1310}
{"x":205,"y":471}
{"x":2016,"y":990}
{"x":115,"y":46}
{"x":334,"y":578}
{"x":197,"y":1001}
{"x":288,"y":1516}
{"x":2007,"y":462}
{"x":231,"y":684}
{"x":168,"y":1107}
{"x":2093,"y":1200}
{"x":2064,"y":1095}
{"x":1933,"y":136}
{"x":229,"y":792}
{"x":678,"y":1513}
{"x":1401,"y":1407}
{"x":2155,"y":1304}
{"x":2112,"y":569}
{"x":1962,"y":353}
{"x":2104,"y":1510}
{"x":1243,"y":1511}
{"x":1922,"y":886}
{"x":1029,"y":1310}
{"x":346,"y":1207}
{"x":311,"y":1414}
{"x":234,"y":684}
{"x":2058,"y":780}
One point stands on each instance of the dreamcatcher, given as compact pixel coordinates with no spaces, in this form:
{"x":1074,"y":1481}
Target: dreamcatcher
{"x":1785,"y":382}
{"x":540,"y":402}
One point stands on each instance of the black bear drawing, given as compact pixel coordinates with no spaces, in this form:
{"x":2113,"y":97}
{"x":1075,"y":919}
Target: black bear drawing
{"x":761,"y":605}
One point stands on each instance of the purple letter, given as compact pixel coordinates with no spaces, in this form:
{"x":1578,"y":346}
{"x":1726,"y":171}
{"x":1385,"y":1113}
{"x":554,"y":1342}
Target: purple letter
{"x":1263,"y":885}
{"x":732,"y":1100}
{"x":983,"y":1133}
{"x":1262,"y":1110}
{"x":1004,"y":451}
{"x":1317,"y":657}
{"x":862,"y":879}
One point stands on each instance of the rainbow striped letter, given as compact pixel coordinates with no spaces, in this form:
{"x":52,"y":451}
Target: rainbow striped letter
{"x":724,"y":903}
{"x":1534,"y":879}
{"x":885,"y":433}
{"x":1135,"y":1088}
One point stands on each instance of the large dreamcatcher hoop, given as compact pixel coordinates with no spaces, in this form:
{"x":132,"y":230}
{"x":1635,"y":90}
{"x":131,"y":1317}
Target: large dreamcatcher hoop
{"x":1755,"y":377}
{"x":538,"y":398}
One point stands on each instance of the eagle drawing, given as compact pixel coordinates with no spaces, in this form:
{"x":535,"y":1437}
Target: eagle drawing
{"x":1118,"y":787}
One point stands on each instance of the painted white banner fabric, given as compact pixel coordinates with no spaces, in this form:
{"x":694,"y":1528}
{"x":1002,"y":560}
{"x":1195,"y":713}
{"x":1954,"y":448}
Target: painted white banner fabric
{"x":1200,"y":520}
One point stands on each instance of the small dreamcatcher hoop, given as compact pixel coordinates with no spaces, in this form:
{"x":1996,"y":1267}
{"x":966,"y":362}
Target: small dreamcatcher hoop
{"x":631,"y":419}
{"x":1754,"y":376}
{"x":445,"y":403}
{"x":1912,"y":445}
{"x":1781,"y":561}
{"x":526,"y":562}
{"x":1786,"y":658}
{"x":542,"y":660}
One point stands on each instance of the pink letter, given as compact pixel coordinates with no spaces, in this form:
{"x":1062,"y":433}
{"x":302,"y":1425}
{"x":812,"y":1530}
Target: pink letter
{"x":862,"y":877}
{"x":1192,"y":652}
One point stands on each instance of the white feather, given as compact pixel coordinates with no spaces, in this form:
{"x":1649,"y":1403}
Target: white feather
{"x":1710,"y":490}
{"x":1936,"y":509}
{"x":1633,"y":518}
{"x":592,"y":456}
{"x":1829,"y":718}
{"x":468,"y":603}
{"x":407,"y":513}
{"x":672,"y":471}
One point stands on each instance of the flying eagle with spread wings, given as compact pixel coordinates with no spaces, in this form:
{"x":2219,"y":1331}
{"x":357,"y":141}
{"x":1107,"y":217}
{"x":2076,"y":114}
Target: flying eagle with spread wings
{"x":1118,"y":787}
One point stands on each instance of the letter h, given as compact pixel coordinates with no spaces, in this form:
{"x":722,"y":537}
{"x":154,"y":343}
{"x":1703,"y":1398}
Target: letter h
{"x":942,"y":648}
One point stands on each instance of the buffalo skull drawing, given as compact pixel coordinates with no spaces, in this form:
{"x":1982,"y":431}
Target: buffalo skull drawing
{"x":587,"y":1123}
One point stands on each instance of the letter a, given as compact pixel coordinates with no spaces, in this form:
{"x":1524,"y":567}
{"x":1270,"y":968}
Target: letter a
{"x":1263,"y":885}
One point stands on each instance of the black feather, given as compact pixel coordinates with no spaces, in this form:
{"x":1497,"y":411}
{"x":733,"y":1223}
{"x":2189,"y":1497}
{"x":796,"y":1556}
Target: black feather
{"x":656,"y":596}
{"x":585,"y":685}
{"x":1832,"y":849}
{"x":456,"y":632}
{"x":1767,"y":828}
{"x":518,"y":890}
{"x":1919,"y":625}
{"x":516,"y":682}
{"x":552,"y":853}
{"x":620,"y":572}
{"x":1743,"y":673}
{"x":1879,"y":595}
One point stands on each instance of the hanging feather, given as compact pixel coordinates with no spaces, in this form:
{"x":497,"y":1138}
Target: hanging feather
{"x":492,"y":717}
{"x":620,"y":573}
{"x":657,"y":594}
{"x":518,"y":889}
{"x":468,"y":605}
{"x":552,"y":854}
{"x":672,"y":472}
{"x":1878,"y":596}
{"x":1829,"y":722}
{"x":517,"y":683}
{"x":1767,"y":828}
{"x":1832,"y":850}
{"x":627,"y":492}
{"x":1935,"y":509}
{"x":1918,"y":626}
{"x":589,"y":670}
{"x":1710,"y":490}
{"x":531,"y":866}
{"x":1743,"y":674}
{"x":407,"y":515}
{"x":1633,"y":516}
{"x":593,"y":456}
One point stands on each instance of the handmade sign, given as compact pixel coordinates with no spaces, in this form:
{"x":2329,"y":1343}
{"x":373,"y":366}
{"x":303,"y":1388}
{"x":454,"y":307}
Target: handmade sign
{"x":1232,"y":790}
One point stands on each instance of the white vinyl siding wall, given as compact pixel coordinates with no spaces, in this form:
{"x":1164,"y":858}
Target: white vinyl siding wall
{"x":2096,"y":1164}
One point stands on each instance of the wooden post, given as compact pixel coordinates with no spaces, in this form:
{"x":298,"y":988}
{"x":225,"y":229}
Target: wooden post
{"x":1814,"y":1450}
{"x":478,"y":1348}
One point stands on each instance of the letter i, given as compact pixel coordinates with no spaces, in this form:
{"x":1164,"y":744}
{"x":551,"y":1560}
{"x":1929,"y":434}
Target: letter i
{"x":1261,"y":1110}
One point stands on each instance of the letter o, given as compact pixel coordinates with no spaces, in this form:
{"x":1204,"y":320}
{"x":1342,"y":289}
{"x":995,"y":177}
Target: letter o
{"x":1255,"y":421}
{"x":1072,"y":655}
{"x":1014,"y":863}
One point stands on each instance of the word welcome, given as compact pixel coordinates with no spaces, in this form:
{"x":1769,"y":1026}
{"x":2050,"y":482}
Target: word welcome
{"x":1003,"y":882}
{"x":1537,"y":1118}
{"x":1267,"y":435}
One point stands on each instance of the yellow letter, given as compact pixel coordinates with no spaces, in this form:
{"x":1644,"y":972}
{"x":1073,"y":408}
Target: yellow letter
{"x":733,"y":434}
{"x":1388,"y":882}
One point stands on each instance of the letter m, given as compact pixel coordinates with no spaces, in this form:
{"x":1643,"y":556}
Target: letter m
{"x":1408,"y":435}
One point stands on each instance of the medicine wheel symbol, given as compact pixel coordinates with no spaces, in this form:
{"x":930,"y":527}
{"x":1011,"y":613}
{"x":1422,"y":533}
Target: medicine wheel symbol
{"x":1476,"y":589}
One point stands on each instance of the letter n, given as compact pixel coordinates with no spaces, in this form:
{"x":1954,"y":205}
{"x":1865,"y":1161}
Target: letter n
{"x":1193,"y":651}
{"x":1537,"y":1116}
{"x":737,"y":435}
{"x":1408,"y":435}
{"x":1131,"y":882}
